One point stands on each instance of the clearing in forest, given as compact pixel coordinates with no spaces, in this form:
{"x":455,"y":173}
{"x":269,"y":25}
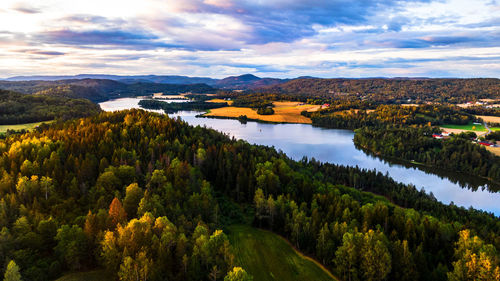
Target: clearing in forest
{"x":17,"y":127}
{"x":268,"y":256}
{"x":461,"y":128}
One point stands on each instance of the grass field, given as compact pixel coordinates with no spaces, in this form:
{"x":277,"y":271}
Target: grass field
{"x":284,"y":112}
{"x":96,"y":275}
{"x":26,"y":126}
{"x":468,"y":127}
{"x":269,"y":257}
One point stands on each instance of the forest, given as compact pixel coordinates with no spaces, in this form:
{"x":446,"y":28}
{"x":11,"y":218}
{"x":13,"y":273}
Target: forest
{"x":16,"y":108}
{"x":98,"y":90}
{"x":457,"y":153}
{"x":148,"y":197}
{"x":346,"y":117}
{"x":405,"y":132}
{"x":396,"y":90}
{"x":173,"y":107}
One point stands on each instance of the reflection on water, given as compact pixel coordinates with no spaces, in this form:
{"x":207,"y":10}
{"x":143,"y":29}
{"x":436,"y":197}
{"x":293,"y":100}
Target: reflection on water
{"x":336,"y":146}
{"x":463,"y":180}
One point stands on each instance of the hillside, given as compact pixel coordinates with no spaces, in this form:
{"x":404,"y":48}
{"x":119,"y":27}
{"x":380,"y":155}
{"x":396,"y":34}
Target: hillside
{"x":269,"y":257}
{"x":16,"y":108}
{"x":99,"y":89}
{"x":395,"y":90}
{"x":242,"y":82}
{"x":162,"y":79}
{"x":246,"y":81}
{"x":133,"y":190}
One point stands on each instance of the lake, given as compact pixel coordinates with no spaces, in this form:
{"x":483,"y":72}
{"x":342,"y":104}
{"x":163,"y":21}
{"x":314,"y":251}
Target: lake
{"x":336,"y":146}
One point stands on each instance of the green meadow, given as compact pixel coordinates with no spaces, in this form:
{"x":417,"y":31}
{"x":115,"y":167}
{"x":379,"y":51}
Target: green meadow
{"x":17,"y":127}
{"x":469,"y":127}
{"x":268,"y":256}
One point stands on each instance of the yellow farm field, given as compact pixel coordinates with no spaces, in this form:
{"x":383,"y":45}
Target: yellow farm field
{"x":286,"y":112}
{"x":455,"y":131}
{"x":494,"y":150}
{"x":489,"y":119}
{"x":221,"y":100}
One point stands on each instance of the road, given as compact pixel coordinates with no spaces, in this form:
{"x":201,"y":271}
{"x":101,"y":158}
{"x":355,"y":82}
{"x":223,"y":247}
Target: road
{"x":486,"y":126}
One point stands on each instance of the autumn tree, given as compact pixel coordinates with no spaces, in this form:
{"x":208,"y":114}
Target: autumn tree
{"x":260,"y":205}
{"x":12,"y":272}
{"x":347,"y":256}
{"x":116,"y":212}
{"x":375,"y":257}
{"x":137,"y":269}
{"x":238,"y":274}
{"x":475,"y":260}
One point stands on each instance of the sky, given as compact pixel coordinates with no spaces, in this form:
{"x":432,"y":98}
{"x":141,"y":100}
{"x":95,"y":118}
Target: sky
{"x":268,"y":38}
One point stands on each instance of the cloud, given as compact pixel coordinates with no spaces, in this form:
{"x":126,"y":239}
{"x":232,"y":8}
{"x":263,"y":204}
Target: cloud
{"x":85,"y":19}
{"x":25,"y":8}
{"x":287,"y":21}
{"x":46,"y":53}
{"x":125,"y":39}
{"x":484,"y":39}
{"x":270,"y":38}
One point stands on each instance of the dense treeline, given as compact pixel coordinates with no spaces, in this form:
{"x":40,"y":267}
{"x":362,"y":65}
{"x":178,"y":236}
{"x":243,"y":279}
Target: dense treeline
{"x":145,"y":196}
{"x":252,"y":101}
{"x":16,"y":108}
{"x":383,"y":115}
{"x":405,"y":132}
{"x":265,"y":111}
{"x":481,"y":110}
{"x":392,"y":90}
{"x":456,"y":153}
{"x":100,"y":89}
{"x":173,"y":107}
{"x":493,"y":136}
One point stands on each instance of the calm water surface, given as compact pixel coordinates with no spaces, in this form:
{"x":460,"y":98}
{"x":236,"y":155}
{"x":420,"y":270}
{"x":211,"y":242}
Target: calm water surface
{"x":336,"y":146}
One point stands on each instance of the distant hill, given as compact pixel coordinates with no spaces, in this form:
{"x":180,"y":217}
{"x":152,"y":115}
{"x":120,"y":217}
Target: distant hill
{"x":17,"y":108}
{"x":163,"y":79}
{"x":99,"y":89}
{"x":246,"y":81}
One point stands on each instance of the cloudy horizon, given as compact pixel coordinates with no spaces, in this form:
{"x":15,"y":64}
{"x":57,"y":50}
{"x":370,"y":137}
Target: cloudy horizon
{"x":274,"y":38}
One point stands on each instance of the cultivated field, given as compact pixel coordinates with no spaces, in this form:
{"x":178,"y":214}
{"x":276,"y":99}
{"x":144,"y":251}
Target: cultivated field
{"x":489,"y":119}
{"x":269,"y":257}
{"x":286,"y":112}
{"x":494,"y":150}
{"x":27,"y":126}
{"x":221,"y":100}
